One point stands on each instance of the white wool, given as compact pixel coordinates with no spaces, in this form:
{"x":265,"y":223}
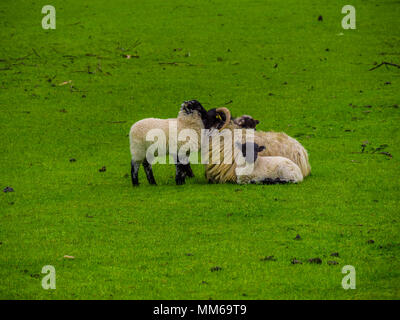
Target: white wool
{"x":280,"y":144}
{"x":139,"y":130}
{"x":265,"y":168}
{"x":272,"y":168}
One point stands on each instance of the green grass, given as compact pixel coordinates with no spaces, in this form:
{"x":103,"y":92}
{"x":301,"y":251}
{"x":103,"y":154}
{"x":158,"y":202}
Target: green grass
{"x":136,"y":243}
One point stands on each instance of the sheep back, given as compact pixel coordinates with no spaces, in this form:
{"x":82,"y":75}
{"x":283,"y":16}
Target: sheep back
{"x":280,"y":144}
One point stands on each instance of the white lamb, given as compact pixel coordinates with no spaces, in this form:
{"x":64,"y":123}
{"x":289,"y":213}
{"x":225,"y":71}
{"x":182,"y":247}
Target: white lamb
{"x":192,"y":115}
{"x":268,"y":170}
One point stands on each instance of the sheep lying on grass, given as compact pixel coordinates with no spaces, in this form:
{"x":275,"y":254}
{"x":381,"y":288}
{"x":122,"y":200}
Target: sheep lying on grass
{"x":277,"y":143}
{"x":192,"y":115}
{"x":268,"y":170}
{"x":264,"y":170}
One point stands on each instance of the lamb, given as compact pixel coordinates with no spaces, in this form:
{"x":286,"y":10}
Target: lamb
{"x":278,"y":143}
{"x":268,"y":170}
{"x":192,"y":115}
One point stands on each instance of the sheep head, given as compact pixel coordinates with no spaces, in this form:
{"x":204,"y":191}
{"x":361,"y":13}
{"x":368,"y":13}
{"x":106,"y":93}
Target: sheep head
{"x":218,"y":118}
{"x":246,"y":122}
{"x":250,"y":150}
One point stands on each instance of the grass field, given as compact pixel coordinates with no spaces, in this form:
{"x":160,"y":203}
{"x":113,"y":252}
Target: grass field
{"x":274,"y":61}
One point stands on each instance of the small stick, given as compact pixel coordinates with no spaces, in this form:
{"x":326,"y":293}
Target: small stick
{"x":385,"y":63}
{"x":34,"y":51}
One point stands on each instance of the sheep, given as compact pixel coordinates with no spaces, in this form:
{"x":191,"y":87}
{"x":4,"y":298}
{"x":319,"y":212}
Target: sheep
{"x":278,"y":143}
{"x":265,"y":170}
{"x":268,"y":170}
{"x":192,"y":115}
{"x":246,"y":122}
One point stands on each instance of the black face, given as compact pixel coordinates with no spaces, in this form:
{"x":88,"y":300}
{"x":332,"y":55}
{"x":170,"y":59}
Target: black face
{"x":247,"y":122}
{"x":193,"y":105}
{"x":249,"y":149}
{"x":215,"y":119}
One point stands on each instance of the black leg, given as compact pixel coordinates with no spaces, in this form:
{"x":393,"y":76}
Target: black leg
{"x":188,"y":170}
{"x":180,"y":174}
{"x":134,"y":172}
{"x":149,"y":172}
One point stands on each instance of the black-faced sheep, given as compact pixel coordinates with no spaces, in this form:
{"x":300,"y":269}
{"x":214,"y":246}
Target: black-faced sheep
{"x":267,"y":170}
{"x":192,"y":116}
{"x":277,"y":143}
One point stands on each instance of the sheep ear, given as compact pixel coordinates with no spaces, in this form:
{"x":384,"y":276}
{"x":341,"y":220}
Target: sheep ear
{"x":261,"y":148}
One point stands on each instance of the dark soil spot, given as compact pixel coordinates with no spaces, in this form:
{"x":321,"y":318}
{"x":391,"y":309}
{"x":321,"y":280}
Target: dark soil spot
{"x":268,"y":258}
{"x":72,"y":160}
{"x":370,"y":241}
{"x":216,"y":268}
{"x":102,"y":169}
{"x":8,"y":189}
{"x":388,"y":82}
{"x":320,"y":18}
{"x":244,"y":294}
{"x":297,"y":237}
{"x":335,"y":254}
{"x":315,"y":260}
{"x":331,"y":263}
{"x":189,"y":254}
{"x":276,"y":65}
{"x":63,"y":111}
{"x":295,"y":261}
{"x":204,"y":282}
{"x":35,"y":275}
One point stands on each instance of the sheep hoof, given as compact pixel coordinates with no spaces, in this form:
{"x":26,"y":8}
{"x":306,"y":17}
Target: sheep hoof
{"x":180,"y":182}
